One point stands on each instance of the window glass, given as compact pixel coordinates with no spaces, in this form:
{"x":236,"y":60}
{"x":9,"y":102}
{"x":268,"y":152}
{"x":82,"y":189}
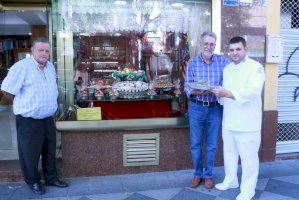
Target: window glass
{"x":127,"y":57}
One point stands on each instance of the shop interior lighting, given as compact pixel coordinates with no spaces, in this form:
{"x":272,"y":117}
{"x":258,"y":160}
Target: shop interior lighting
{"x":120,"y":2}
{"x":178,"y":5}
{"x":207,"y":13}
{"x":117,"y":34}
{"x":84,"y":34}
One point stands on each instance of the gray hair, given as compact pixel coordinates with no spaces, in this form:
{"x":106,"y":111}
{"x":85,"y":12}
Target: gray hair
{"x":40,"y":39}
{"x":207,"y":33}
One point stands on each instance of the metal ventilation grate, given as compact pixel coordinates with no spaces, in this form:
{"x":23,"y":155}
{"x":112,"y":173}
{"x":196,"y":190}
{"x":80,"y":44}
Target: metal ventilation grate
{"x":141,"y":149}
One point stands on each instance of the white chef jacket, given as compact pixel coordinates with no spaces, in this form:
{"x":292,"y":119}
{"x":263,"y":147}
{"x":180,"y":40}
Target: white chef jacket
{"x":245,"y":80}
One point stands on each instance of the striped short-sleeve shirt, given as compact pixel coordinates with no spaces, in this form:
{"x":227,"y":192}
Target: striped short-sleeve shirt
{"x":35,"y":90}
{"x":212,"y":73}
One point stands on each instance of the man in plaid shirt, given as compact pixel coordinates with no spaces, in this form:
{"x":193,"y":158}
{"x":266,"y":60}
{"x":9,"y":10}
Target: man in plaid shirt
{"x":204,"y":111}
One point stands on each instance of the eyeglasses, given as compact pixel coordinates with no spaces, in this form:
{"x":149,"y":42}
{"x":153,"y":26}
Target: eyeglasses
{"x":206,"y":44}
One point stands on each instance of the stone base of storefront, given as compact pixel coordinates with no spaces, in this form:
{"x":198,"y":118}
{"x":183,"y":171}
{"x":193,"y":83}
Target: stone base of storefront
{"x":101,"y":153}
{"x":97,"y":153}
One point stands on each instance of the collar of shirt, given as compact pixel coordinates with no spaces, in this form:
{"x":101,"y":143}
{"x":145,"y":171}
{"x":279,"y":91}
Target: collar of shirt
{"x":202,"y":60}
{"x":240,"y":64}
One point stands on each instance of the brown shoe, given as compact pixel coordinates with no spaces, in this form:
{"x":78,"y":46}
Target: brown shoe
{"x":195,"y":182}
{"x":209,"y":183}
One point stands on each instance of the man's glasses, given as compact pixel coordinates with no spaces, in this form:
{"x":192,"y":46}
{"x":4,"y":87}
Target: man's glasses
{"x":206,"y":44}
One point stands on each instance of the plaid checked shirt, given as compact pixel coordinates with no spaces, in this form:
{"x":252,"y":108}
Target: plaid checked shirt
{"x":198,"y":70}
{"x":35,"y":90}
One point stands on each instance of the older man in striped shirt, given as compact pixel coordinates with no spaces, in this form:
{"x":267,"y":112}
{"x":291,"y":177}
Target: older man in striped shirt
{"x":31,"y":85}
{"x":204,"y":111}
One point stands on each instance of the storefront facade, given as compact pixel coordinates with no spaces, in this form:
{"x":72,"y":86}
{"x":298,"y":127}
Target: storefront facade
{"x":132,"y":56}
{"x":288,"y":81}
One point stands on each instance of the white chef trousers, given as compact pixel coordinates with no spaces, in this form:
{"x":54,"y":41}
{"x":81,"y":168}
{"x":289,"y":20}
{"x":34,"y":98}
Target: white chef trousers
{"x":245,"y":145}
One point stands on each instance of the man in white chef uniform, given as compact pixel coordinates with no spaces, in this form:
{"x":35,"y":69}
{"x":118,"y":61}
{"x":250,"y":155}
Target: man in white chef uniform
{"x":240,"y":95}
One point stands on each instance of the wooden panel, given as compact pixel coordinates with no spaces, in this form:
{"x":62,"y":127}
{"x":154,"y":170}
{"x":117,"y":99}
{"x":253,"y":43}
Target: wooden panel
{"x":38,"y":31}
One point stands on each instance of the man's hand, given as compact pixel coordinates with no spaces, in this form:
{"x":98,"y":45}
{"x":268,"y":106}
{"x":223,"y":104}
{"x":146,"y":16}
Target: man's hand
{"x":221,"y":92}
{"x":9,"y":96}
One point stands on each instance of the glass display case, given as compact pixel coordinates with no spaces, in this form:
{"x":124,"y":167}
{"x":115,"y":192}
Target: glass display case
{"x":135,"y":55}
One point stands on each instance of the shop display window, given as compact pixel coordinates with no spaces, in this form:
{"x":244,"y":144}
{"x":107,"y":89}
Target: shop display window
{"x":128,"y":58}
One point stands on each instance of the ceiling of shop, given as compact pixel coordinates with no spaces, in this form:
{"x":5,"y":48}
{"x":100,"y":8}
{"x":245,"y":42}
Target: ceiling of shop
{"x":17,"y":16}
{"x":20,"y":22}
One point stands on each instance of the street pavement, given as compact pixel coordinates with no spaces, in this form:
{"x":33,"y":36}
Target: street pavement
{"x":278,"y":180}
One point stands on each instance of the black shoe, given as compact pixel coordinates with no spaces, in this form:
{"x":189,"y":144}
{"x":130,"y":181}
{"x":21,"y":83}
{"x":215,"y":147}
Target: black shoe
{"x":57,"y":183}
{"x":36,"y":188}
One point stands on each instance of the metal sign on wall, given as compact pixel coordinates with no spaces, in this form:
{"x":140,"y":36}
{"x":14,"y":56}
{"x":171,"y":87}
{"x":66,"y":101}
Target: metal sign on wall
{"x":237,"y":2}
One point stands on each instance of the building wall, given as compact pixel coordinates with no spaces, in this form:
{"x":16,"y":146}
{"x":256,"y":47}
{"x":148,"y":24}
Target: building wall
{"x":98,"y":153}
{"x":270,"y":119}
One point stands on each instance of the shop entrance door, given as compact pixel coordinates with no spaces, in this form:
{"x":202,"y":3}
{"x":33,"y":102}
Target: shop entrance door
{"x":18,"y":26}
{"x":288,"y":81}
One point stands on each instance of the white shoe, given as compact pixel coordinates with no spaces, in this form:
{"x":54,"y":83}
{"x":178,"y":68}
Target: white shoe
{"x":225,"y":186}
{"x":244,"y":196}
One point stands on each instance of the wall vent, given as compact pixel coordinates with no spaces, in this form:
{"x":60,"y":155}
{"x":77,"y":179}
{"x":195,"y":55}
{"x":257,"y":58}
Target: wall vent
{"x":141,"y":149}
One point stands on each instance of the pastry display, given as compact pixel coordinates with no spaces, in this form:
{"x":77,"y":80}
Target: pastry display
{"x":131,"y":89}
{"x":152,"y":94}
{"x":200,"y":85}
{"x":128,"y":74}
{"x":99,"y":94}
{"x":100,"y":84}
{"x":164,"y":85}
{"x":83,"y":94}
{"x":113,"y":94}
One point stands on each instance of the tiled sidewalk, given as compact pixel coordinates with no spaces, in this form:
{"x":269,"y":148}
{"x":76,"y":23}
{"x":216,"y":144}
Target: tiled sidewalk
{"x":277,"y":181}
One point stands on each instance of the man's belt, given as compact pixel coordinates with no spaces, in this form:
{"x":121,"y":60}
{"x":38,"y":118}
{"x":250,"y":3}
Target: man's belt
{"x":204,"y":103}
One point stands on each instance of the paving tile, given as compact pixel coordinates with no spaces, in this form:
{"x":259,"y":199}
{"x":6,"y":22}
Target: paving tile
{"x":191,"y":194}
{"x":146,"y":182}
{"x":201,"y":188}
{"x":180,"y":178}
{"x":257,"y":195}
{"x":164,"y":194}
{"x":261,"y":183}
{"x":116,"y":196}
{"x":84,"y":198}
{"x":289,"y":179}
{"x":280,"y":180}
{"x":271,"y":196}
{"x":233,"y":193}
{"x":219,"y":198}
{"x":5,"y":197}
{"x":293,"y":163}
{"x":276,"y":169}
{"x":100,"y":185}
{"x":80,"y":197}
{"x":56,"y":192}
{"x":230,"y":193}
{"x":137,"y":196}
{"x":24,"y":192}
{"x":283,"y":188}
{"x":7,"y":189}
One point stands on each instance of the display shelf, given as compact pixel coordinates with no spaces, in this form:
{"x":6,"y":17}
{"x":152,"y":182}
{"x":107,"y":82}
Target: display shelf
{"x":159,"y":97}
